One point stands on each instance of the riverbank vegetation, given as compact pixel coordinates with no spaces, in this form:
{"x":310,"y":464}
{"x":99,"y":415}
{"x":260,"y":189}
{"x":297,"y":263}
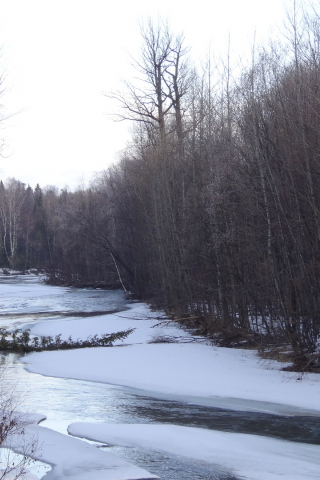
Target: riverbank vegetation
{"x":213,"y":211}
{"x":20,"y":341}
{"x":12,"y":428}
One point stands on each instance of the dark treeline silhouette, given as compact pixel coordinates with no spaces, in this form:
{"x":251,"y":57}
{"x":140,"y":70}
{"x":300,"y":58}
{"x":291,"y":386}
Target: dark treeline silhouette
{"x":214,"y":210}
{"x":63,"y":233}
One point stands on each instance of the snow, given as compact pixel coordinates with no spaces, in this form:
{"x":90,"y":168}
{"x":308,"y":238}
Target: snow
{"x":33,"y":418}
{"x":254,"y":457}
{"x":25,"y":418}
{"x":13,"y":475}
{"x":71,"y":458}
{"x":29,"y":296}
{"x":29,"y":290}
{"x":135,"y":317}
{"x":193,"y":372}
{"x":75,"y":459}
{"x":24,"y":300}
{"x":174,"y":369}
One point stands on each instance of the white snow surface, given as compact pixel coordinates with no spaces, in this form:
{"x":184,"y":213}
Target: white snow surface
{"x":26,"y":418}
{"x":75,"y":459}
{"x":71,"y":458}
{"x":29,"y":290}
{"x":174,"y":369}
{"x":138,"y":317}
{"x":13,"y":475}
{"x":254,"y":457}
{"x":33,"y":418}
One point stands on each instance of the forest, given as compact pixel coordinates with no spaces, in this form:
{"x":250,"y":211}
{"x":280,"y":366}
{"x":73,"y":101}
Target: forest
{"x":213,"y":210}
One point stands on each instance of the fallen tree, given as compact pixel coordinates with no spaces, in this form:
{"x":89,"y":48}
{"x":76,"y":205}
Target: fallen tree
{"x":20,"y":341}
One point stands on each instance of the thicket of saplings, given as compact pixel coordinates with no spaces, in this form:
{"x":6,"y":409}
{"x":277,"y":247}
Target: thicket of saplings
{"x":20,"y":341}
{"x":213,"y":211}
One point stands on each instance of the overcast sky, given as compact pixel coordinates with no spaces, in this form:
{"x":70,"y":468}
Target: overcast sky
{"x":59,"y":56}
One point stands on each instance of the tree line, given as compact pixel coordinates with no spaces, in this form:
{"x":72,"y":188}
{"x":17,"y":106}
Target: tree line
{"x":213,"y":211}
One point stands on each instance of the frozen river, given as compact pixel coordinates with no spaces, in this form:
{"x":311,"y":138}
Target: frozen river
{"x":65,"y":401}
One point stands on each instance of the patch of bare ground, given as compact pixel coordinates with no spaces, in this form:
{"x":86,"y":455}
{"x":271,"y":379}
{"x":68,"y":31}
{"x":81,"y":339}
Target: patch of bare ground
{"x":298,"y":362}
{"x":305,"y":363}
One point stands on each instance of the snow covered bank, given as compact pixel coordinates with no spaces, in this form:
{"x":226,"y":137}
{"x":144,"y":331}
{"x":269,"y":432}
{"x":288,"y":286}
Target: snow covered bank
{"x":5,"y":272}
{"x":75,"y":459}
{"x":174,"y":369}
{"x":254,"y":457}
{"x":32,"y":418}
{"x":13,"y":475}
{"x":16,"y":442}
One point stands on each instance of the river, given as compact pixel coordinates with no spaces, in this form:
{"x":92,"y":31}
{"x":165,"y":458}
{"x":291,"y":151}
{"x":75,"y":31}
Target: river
{"x":64,"y":401}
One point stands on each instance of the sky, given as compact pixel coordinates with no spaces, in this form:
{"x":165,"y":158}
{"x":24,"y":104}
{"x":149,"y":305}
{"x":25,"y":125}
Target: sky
{"x":59,"y":57}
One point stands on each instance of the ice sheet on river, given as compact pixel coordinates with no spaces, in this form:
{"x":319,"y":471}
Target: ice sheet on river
{"x":71,"y":458}
{"x":254,"y":457}
{"x":138,"y":316}
{"x":190,"y":370}
{"x":24,"y":300}
{"x":75,"y":459}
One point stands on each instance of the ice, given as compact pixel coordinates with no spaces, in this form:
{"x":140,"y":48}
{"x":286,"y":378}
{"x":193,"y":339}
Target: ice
{"x":34,"y":418}
{"x":138,"y":317}
{"x":177,"y":369}
{"x":29,"y":290}
{"x":75,"y":459}
{"x":28,"y":297}
{"x":25,"y":300}
{"x":251,"y":456}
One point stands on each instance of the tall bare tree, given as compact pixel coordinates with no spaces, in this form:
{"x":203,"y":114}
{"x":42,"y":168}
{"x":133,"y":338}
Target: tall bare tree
{"x":163,"y":81}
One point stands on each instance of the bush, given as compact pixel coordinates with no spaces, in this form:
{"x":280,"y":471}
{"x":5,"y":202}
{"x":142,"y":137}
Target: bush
{"x":12,"y":429}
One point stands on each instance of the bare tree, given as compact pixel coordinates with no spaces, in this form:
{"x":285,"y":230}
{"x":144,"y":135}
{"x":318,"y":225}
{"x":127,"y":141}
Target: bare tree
{"x":163,"y":82}
{"x":12,"y":196}
{"x":12,"y":432}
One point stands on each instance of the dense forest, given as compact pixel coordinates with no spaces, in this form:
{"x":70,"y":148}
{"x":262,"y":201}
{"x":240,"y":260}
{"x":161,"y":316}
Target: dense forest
{"x":213,"y":210}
